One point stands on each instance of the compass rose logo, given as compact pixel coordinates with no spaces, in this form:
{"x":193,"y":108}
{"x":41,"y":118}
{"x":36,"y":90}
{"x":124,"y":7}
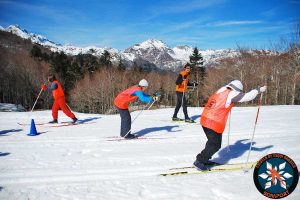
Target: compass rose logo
{"x":276,"y":176}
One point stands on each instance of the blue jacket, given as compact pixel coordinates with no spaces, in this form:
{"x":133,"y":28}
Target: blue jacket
{"x":142,"y":96}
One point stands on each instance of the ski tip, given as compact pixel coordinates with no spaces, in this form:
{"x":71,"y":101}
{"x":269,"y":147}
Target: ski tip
{"x":173,"y":174}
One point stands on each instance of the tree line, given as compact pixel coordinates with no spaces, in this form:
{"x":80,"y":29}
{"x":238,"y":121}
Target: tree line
{"x":91,"y":83}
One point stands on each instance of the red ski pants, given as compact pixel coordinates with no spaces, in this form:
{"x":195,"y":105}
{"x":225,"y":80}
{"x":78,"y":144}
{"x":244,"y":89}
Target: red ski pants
{"x":61,"y":103}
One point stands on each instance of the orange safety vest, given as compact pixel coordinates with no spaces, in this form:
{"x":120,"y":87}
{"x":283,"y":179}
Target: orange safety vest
{"x":215,"y":113}
{"x":124,"y":98}
{"x":59,"y":92}
{"x":183,"y":85}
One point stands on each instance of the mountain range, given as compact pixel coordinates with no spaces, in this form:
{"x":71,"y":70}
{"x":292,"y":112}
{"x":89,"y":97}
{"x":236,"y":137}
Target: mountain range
{"x":153,"y":52}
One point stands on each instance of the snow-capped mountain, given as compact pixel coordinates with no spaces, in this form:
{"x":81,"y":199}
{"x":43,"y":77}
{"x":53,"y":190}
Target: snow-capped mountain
{"x":96,"y":51}
{"x":68,"y":49}
{"x":15,"y":29}
{"x":161,"y":55}
{"x":151,"y":51}
{"x":155,"y":51}
{"x":182,"y":53}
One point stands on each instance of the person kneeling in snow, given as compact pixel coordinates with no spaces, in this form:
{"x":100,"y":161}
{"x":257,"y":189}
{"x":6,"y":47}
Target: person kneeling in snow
{"x":214,"y":117}
{"x":59,"y":100}
{"x":122,"y":101}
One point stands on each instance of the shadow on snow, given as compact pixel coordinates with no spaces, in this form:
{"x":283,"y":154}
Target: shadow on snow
{"x":3,"y":154}
{"x":155,"y":129}
{"x":82,"y":121}
{"x":237,"y":150}
{"x":195,"y":117}
{"x":10,"y":131}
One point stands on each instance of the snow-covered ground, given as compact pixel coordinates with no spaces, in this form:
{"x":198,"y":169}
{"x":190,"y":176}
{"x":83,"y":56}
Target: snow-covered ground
{"x":81,"y":162}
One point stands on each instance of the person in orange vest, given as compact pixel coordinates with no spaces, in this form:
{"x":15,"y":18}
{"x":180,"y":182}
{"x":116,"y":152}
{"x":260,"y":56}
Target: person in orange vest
{"x":214,"y":118}
{"x":59,"y":100}
{"x":181,"y":85}
{"x":122,"y":101}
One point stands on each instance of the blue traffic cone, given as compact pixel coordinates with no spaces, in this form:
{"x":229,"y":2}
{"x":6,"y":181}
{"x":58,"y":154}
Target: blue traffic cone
{"x":33,"y":131}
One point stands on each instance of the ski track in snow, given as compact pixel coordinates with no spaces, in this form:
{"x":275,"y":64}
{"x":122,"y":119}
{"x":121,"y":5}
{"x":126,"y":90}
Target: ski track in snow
{"x":79,"y":162}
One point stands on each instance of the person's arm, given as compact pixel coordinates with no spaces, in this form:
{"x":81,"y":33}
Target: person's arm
{"x":244,"y":97}
{"x":142,"y":96}
{"x":54,"y":86}
{"x":179,"y":79}
{"x":249,"y":96}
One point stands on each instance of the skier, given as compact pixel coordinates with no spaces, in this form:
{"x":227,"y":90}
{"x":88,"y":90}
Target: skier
{"x":59,"y":100}
{"x":214,"y":117}
{"x":122,"y":101}
{"x":181,"y":85}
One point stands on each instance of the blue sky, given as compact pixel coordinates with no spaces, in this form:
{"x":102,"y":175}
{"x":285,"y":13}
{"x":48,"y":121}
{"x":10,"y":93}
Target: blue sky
{"x":207,"y":24}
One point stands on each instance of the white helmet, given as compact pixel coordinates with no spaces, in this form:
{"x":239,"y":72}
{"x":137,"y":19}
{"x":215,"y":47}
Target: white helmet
{"x":143,"y":83}
{"x":236,"y":85}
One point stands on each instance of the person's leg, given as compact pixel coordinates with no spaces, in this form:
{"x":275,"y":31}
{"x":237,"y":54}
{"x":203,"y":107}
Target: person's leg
{"x":55,"y":108}
{"x":125,"y":122}
{"x":184,"y":107}
{"x":213,"y":144}
{"x":178,"y":103}
{"x":65,"y":108}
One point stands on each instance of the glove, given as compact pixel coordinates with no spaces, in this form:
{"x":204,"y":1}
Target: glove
{"x":262,"y":89}
{"x":155,"y":97}
{"x":44,"y":87}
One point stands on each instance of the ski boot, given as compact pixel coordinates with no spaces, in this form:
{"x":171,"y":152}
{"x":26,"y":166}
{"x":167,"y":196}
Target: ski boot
{"x":211,"y":163}
{"x":189,"y":120}
{"x":54,"y":121}
{"x":74,"y":120}
{"x":131,"y":136}
{"x":175,"y":119}
{"x":200,"y":166}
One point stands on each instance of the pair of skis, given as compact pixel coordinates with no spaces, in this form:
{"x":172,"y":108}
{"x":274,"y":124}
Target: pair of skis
{"x":214,"y":168}
{"x":120,"y":139}
{"x":182,"y":120}
{"x":58,"y":124}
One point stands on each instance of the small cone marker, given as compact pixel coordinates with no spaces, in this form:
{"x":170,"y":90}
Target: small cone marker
{"x":33,"y":131}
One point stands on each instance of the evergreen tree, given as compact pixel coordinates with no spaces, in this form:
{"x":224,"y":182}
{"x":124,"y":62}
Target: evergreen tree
{"x":121,"y":66}
{"x":61,"y":64}
{"x":92,"y":63}
{"x":198,"y":69}
{"x":36,"y":52}
{"x":196,"y":59}
{"x":91,"y":51}
{"x":105,"y":58}
{"x":137,"y":68}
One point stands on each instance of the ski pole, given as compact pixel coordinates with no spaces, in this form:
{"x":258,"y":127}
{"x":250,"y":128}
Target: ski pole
{"x":228,"y":135}
{"x":36,"y":99}
{"x":250,"y":148}
{"x":139,"y":114}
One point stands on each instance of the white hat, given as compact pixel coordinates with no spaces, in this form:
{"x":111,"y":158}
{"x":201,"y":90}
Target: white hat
{"x":143,"y":83}
{"x":236,"y":85}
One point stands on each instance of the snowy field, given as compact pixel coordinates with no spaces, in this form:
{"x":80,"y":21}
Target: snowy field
{"x":86,"y":162}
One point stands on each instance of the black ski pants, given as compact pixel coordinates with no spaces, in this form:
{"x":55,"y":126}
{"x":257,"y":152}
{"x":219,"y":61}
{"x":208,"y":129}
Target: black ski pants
{"x":213,"y":144}
{"x":125,"y":122}
{"x":181,"y":100}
